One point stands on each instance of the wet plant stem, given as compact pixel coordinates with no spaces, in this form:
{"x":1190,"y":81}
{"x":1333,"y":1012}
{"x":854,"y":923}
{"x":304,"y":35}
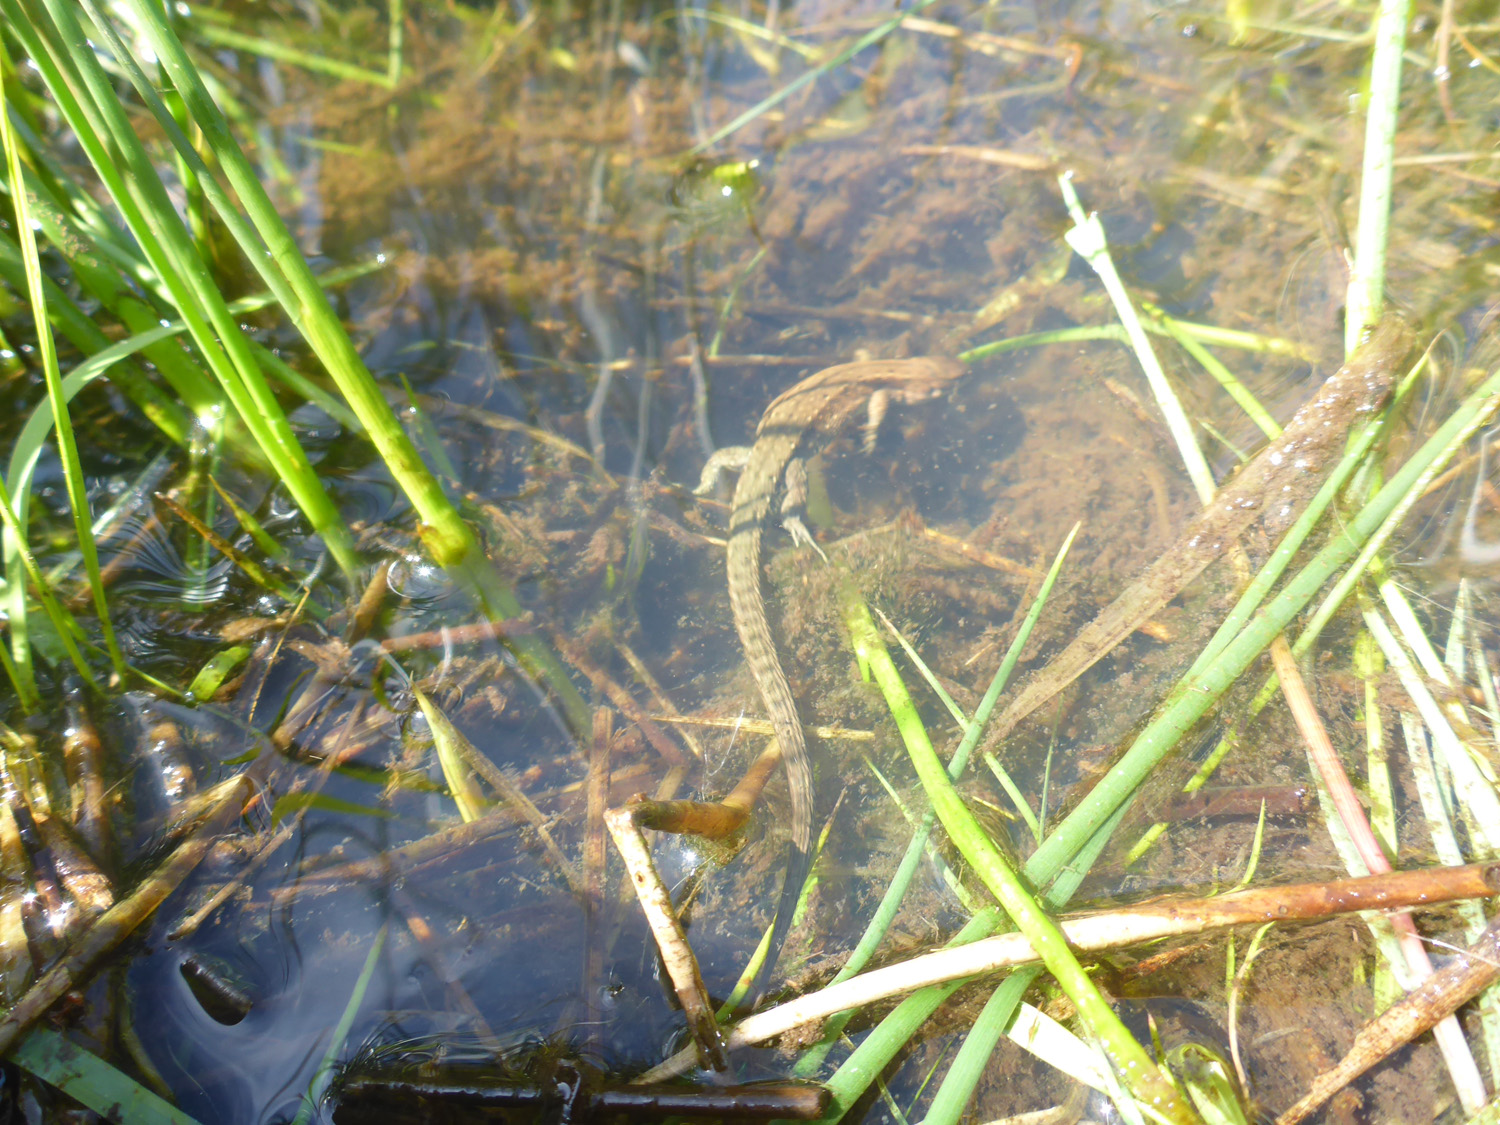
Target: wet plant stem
{"x":890,"y":902}
{"x":275,"y":255}
{"x":67,"y":443}
{"x":1367,"y":284}
{"x":1145,"y":1082}
{"x":87,"y":98}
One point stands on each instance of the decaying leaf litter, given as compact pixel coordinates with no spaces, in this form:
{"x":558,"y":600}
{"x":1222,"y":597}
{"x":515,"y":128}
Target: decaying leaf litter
{"x":867,"y":246}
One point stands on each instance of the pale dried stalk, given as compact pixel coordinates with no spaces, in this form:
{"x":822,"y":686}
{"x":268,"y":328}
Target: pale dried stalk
{"x":1450,"y":1036}
{"x":678,"y":957}
{"x":1111,"y":930}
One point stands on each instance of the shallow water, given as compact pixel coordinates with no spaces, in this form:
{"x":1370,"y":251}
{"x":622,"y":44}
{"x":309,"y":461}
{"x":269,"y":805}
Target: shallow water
{"x":559,"y":264}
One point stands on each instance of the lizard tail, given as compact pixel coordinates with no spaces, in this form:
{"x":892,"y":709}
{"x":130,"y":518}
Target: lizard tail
{"x":798,"y":866}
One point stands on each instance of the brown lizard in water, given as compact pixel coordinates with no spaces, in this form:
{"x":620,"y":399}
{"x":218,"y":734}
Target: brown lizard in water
{"x":817,"y":405}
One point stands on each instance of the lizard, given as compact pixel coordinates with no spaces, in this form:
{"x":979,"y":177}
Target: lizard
{"x":818,"y":405}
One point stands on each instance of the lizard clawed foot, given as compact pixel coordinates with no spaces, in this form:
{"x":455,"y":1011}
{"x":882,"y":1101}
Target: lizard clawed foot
{"x":800,"y":535}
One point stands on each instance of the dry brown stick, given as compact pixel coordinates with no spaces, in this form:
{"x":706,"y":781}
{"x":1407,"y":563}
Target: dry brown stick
{"x":1149,"y":921}
{"x":299,"y":716}
{"x":978,"y":554}
{"x":88,"y":887}
{"x":120,"y":920}
{"x":16,"y":958}
{"x":594,"y":869}
{"x":83,"y":757}
{"x":681,"y":965}
{"x":1431,"y":1002}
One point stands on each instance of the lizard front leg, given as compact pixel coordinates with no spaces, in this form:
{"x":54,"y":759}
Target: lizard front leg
{"x":731,"y":458}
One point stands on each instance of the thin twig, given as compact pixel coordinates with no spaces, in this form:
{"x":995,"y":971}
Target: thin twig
{"x":1437,"y":998}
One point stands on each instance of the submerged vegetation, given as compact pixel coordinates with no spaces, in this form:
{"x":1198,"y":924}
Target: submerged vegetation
{"x":354,"y":582}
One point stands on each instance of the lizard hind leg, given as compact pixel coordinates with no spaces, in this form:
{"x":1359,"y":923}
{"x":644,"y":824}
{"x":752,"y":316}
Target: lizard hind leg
{"x":793,"y":503}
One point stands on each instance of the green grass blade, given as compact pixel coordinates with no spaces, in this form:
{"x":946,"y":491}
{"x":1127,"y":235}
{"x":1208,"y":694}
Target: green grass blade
{"x":395,"y":41}
{"x":1062,"y":860}
{"x":117,"y":291}
{"x":1286,"y":550}
{"x":1367,"y":285}
{"x":890,"y":902}
{"x":1017,"y":798}
{"x":67,"y":445}
{"x":1087,"y":239}
{"x":451,"y":542}
{"x":288,"y":276}
{"x":1191,"y":699}
{"x":318,"y":1087}
{"x":1140,"y":1074}
{"x":449,"y":742}
{"x":70,"y":68}
{"x":1202,"y":333}
{"x":875,"y":1053}
{"x":281,"y":52}
{"x":1476,"y":411}
{"x":1112,"y":332}
{"x":252,"y":526}
{"x":1224,"y":377}
{"x":19,"y":554}
{"x":211,"y":676}
{"x":92,"y":1082}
